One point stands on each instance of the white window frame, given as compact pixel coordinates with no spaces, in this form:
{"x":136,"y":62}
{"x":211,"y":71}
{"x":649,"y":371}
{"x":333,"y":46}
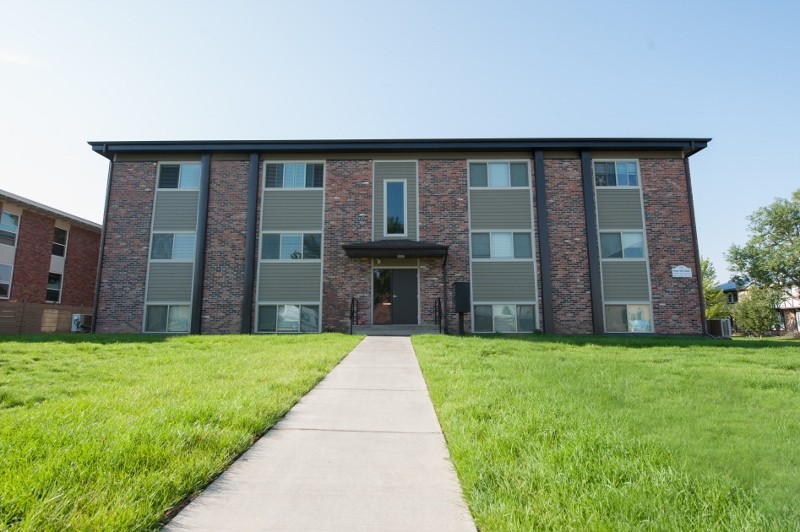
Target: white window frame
{"x":302,"y":238}
{"x":180,"y":174}
{"x":60,"y":289}
{"x":11,"y":281}
{"x":16,"y":234}
{"x":506,"y":161}
{"x":615,"y":161}
{"x":626,"y":303}
{"x":173,"y":233}
{"x":260,"y":304}
{"x":66,"y":243}
{"x":515,"y":304}
{"x":167,"y":304}
{"x":499,"y":259}
{"x":284,"y":189}
{"x":623,"y":258}
{"x":386,"y":212}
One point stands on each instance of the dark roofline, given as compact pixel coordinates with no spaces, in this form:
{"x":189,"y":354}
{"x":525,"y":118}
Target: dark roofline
{"x":108,"y":149}
{"x":49,"y":211}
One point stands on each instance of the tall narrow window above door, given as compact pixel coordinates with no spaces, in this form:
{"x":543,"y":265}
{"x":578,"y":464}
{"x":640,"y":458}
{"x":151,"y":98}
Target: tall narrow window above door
{"x":395,"y":208}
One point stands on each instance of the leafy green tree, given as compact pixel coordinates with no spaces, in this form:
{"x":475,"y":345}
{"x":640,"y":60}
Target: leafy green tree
{"x":771,"y":256}
{"x":755,"y":311}
{"x":716,"y":301}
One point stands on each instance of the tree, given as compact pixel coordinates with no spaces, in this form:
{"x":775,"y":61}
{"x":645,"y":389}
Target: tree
{"x":716,"y":301}
{"x":771,"y":257}
{"x":755,"y":311}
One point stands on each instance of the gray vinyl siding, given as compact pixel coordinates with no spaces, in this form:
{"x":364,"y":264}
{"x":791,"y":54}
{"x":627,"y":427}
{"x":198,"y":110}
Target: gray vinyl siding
{"x":289,"y":282}
{"x":503,"y":281}
{"x":292,"y":210}
{"x":625,"y":281}
{"x":500,"y":209}
{"x":175,"y":210}
{"x":396,"y":170}
{"x":619,"y":209}
{"x":170,"y":282}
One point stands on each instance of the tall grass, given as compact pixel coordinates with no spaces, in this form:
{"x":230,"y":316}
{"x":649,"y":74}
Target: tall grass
{"x":109,"y":432}
{"x":618,"y":433}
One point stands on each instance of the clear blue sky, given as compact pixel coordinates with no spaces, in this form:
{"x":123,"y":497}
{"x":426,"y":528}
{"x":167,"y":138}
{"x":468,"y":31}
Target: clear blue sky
{"x":172,"y":70}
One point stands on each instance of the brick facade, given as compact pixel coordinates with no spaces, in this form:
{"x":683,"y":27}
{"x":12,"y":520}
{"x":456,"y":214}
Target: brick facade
{"x":80,"y":267}
{"x":120,"y":307}
{"x":572,"y":301}
{"x":670,"y":242}
{"x":347,"y":219}
{"x":443,"y":219}
{"x":32,"y":261}
{"x":225,"y":247}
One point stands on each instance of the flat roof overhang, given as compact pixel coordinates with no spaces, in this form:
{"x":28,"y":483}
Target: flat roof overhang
{"x":108,"y":149}
{"x":402,"y":249}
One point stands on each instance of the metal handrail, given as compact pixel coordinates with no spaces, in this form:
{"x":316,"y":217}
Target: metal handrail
{"x":353,"y":313}
{"x":437,"y":313}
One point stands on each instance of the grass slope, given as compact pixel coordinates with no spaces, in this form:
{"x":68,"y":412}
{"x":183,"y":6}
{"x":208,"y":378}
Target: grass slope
{"x":108,"y":432}
{"x":618,"y":433}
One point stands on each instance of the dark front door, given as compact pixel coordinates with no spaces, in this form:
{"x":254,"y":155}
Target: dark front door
{"x":394,"y":297}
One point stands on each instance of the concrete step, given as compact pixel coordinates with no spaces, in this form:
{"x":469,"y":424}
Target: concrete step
{"x":395,"y":330}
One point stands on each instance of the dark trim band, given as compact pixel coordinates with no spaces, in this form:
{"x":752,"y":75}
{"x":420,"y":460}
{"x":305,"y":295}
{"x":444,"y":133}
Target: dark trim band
{"x":250,"y":245}
{"x":696,"y":249}
{"x":200,"y":250}
{"x":592,"y":243}
{"x":548,"y":326}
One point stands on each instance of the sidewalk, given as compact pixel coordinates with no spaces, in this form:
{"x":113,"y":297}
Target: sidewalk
{"x":362,"y":451}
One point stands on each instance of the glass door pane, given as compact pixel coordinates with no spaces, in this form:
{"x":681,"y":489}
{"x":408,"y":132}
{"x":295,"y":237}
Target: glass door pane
{"x":382,"y":297}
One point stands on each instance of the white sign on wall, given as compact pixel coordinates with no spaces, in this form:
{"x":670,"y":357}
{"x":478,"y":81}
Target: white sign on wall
{"x":681,"y":271}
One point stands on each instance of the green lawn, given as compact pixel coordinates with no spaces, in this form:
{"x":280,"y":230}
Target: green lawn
{"x":109,"y":432}
{"x":618,"y":433}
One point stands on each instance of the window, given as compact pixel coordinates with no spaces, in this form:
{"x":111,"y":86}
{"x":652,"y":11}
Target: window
{"x":53,"y":287}
{"x":172,"y":246}
{"x":288,"y":318}
{"x":394,"y":203}
{"x":501,"y":246}
{"x":733,"y":297}
{"x":291,"y":246}
{"x":622,"y":245}
{"x":9,"y":227}
{"x":629,"y":318}
{"x":498,"y":174}
{"x":5,"y":280}
{"x":293,"y":175}
{"x":505,"y":318}
{"x":167,"y":318}
{"x":59,"y":242}
{"x":616,"y":174}
{"x":179,"y":175}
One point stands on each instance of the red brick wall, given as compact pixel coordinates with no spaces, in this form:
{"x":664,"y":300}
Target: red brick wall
{"x":572,"y":303}
{"x":124,"y":272}
{"x":348,"y":218}
{"x":676,"y":301}
{"x":32,"y":260}
{"x":80,"y":267}
{"x":225,"y":247}
{"x":443,"y":219}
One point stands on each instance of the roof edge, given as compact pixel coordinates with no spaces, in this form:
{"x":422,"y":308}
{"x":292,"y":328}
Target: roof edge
{"x":5,"y":195}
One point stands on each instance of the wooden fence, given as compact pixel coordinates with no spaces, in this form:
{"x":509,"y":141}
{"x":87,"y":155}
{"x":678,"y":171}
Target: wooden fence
{"x":19,"y":318}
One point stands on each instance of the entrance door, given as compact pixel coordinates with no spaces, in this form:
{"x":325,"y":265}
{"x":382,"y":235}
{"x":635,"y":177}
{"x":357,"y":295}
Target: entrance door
{"x":394,"y":297}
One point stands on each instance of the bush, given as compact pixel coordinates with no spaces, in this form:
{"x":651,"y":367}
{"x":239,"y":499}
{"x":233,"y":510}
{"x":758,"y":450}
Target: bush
{"x":755,"y":311}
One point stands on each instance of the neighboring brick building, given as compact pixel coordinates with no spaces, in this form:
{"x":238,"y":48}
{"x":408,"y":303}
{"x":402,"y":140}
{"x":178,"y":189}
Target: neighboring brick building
{"x":48,"y":266}
{"x":559,"y":235}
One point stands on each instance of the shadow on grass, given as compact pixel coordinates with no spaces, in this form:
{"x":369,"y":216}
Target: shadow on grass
{"x":649,"y":341}
{"x":83,"y":338}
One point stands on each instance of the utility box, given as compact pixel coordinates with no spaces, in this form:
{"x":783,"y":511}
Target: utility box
{"x":461,"y":297}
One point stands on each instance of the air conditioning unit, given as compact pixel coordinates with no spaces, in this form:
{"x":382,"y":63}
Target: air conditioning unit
{"x":721,"y":328}
{"x":81,"y":323}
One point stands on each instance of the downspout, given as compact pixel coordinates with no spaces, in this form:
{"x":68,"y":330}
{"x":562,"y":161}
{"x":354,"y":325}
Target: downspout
{"x":102,"y":242}
{"x":702,"y":300}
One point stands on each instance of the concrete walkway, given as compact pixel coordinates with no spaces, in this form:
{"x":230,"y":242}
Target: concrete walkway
{"x":362,"y":451}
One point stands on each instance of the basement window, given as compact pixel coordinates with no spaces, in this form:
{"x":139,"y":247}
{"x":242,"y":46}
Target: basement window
{"x":629,"y":318}
{"x":288,"y":318}
{"x":504,"y":318}
{"x":167,"y":318}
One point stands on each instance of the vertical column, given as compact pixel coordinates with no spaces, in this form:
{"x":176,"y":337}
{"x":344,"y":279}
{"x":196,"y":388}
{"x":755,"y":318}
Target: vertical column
{"x":200,"y":250}
{"x":250,"y":245}
{"x":592,"y":242}
{"x":544,"y":243}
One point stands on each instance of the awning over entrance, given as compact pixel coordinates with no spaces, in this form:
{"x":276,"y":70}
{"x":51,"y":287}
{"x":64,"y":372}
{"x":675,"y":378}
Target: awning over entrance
{"x":395,"y":249}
